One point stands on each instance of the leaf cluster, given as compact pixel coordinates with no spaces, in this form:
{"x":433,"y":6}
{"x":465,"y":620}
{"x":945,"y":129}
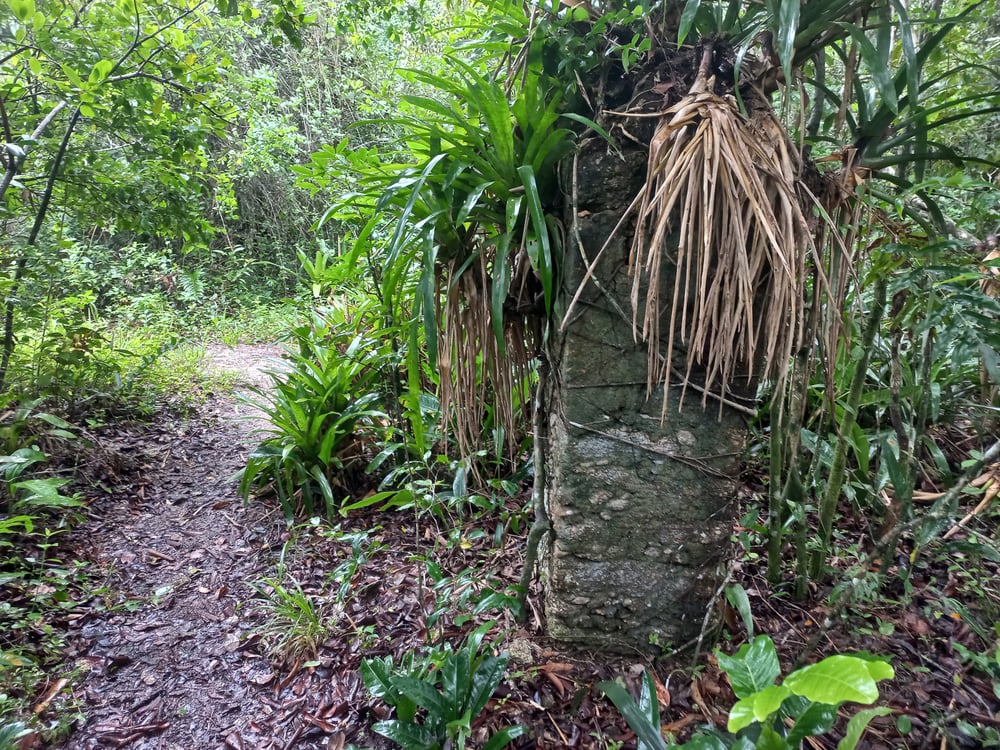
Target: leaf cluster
{"x":436,"y":705}
{"x":769,"y":715}
{"x":320,"y":398}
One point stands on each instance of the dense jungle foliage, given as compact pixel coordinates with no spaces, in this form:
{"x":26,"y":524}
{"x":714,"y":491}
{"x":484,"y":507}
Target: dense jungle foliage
{"x":381,"y":185}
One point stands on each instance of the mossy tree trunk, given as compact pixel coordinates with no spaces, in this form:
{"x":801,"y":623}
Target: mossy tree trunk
{"x":641,"y":509}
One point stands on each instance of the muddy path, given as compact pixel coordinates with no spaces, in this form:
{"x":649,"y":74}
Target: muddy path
{"x":179,"y":647}
{"x":178,"y":650}
{"x":171,"y":663}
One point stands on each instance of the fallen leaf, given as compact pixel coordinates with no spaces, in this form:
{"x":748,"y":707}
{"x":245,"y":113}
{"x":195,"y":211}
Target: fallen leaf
{"x":317,"y":722}
{"x":662,"y":694}
{"x":52,"y":693}
{"x":675,"y":726}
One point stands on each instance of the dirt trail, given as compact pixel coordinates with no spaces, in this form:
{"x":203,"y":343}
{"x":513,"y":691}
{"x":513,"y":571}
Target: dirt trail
{"x":173,"y":654}
{"x":168,"y":665}
{"x":176,"y":658}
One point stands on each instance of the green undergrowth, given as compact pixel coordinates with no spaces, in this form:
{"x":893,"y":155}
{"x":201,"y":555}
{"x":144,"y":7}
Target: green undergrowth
{"x":319,"y":603}
{"x":40,"y":588}
{"x":105,"y":367}
{"x":66,"y":380}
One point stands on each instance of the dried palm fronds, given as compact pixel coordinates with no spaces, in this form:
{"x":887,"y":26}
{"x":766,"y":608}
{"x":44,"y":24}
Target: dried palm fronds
{"x":722,"y":188}
{"x":476,"y":373}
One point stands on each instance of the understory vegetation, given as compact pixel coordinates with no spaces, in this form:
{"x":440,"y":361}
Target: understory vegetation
{"x":826,"y":174}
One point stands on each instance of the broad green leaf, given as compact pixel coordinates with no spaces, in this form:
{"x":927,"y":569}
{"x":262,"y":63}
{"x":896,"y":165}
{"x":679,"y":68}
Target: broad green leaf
{"x":485,"y":681}
{"x":455,"y":684}
{"x":737,"y":597}
{"x":407,"y":735}
{"x":940,"y":461}
{"x":540,"y":254}
{"x":592,"y":125}
{"x":786,"y":24}
{"x":423,"y":694}
{"x":500,"y":290}
{"x":492,"y":102}
{"x":769,"y":739}
{"x":713,"y":742}
{"x":100,"y":71}
{"x":471,"y":202}
{"x":840,"y":678}
{"x":474,"y":641}
{"x":817,"y":719}
{"x":228,"y":8}
{"x":768,"y":701}
{"x":41,"y":493}
{"x":17,"y":524}
{"x":912,"y":66}
{"x":35,"y":65}
{"x":858,"y":440}
{"x":426,"y":296}
{"x":752,"y":668}
{"x":880,"y":670}
{"x":24,"y":10}
{"x":545,"y":154}
{"x":741,"y":714}
{"x":414,"y":389}
{"x":899,"y":475}
{"x":379,"y":497}
{"x":688,"y":15}
{"x":858,"y":724}
{"x":756,"y":707}
{"x":878,"y":69}
{"x":458,"y":730}
{"x":376,"y":673}
{"x":649,"y":704}
{"x":504,"y":737}
{"x":323,"y":483}
{"x":639,"y":722}
{"x":991,"y":362}
{"x":413,"y":188}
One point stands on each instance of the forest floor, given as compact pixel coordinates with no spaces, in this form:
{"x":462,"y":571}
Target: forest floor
{"x":189,"y":644}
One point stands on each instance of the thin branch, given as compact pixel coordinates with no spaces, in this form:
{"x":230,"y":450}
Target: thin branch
{"x":43,"y":208}
{"x":15,"y":163}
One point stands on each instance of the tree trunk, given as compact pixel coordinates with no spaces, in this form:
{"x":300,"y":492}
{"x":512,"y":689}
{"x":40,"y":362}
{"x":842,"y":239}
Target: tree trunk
{"x":641,"y":510}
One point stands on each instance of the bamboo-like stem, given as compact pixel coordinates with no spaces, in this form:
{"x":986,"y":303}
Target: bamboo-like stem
{"x":785,"y":439}
{"x":828,"y":505}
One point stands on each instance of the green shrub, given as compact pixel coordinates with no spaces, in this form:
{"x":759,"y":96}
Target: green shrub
{"x":435,"y":707}
{"x":767,"y":715}
{"x":318,"y":405}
